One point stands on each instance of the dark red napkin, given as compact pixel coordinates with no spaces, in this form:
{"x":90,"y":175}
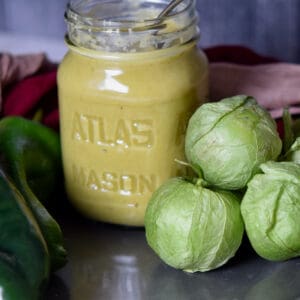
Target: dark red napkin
{"x":236,"y":54}
{"x":32,"y":94}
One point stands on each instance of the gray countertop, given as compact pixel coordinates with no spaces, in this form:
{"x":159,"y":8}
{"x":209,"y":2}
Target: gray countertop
{"x":114,"y":262}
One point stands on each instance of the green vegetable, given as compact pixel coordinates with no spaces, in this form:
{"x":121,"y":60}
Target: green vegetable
{"x":293,"y":154}
{"x":227,"y":141}
{"x":30,"y":155}
{"x":288,"y":134}
{"x":13,"y":285}
{"x":191,"y":227}
{"x":271,"y":211}
{"x":291,"y":139}
{"x":24,"y":259}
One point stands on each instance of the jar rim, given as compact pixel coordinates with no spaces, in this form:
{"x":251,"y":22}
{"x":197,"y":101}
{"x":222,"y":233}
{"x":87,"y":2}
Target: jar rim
{"x":114,"y":20}
{"x":109,"y":21}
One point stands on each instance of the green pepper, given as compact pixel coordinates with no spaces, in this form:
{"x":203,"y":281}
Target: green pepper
{"x":24,"y":258}
{"x":13,"y":285}
{"x":30,"y":154}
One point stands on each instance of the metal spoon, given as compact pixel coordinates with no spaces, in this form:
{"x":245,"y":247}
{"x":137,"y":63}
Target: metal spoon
{"x":169,"y":8}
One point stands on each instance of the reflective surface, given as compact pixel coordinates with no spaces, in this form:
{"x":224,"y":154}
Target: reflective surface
{"x":111,"y":262}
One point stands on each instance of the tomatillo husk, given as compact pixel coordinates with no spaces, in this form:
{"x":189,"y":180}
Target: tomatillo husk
{"x":271,"y":211}
{"x":191,"y":227}
{"x":227,"y":141}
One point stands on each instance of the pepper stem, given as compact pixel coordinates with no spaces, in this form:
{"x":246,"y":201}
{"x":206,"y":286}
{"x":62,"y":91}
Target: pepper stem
{"x":38,"y":115}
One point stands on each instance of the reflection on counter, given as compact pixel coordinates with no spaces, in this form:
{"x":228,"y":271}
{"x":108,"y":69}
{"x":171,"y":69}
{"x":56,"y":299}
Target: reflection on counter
{"x":114,"y":262}
{"x":107,"y":262}
{"x":282,"y":284}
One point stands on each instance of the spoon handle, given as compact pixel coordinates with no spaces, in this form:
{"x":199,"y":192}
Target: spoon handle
{"x":169,"y":8}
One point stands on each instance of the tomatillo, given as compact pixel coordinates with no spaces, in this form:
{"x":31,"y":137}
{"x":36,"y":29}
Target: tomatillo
{"x":271,"y":211}
{"x":226,"y":141}
{"x":191,"y":227}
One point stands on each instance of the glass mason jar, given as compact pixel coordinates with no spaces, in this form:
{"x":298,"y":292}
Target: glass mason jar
{"x":127,"y":87}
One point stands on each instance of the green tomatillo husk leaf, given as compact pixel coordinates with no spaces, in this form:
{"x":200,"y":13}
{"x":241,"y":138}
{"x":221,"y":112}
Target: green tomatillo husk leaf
{"x":293,"y":154}
{"x":288,"y":136}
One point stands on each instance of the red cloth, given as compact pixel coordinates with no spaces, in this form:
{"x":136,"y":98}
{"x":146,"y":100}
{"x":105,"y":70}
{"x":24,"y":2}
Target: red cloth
{"x":34,"y":93}
{"x":237,"y":55}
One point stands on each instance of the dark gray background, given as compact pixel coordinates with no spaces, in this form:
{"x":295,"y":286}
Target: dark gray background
{"x":270,"y":27}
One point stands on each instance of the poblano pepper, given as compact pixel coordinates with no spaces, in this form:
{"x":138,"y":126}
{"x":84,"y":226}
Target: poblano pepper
{"x":30,"y":155}
{"x":24,"y":258}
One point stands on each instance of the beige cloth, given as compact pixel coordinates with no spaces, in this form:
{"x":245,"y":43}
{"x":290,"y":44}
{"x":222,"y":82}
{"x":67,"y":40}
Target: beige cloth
{"x":274,"y":85}
{"x":16,"y":67}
